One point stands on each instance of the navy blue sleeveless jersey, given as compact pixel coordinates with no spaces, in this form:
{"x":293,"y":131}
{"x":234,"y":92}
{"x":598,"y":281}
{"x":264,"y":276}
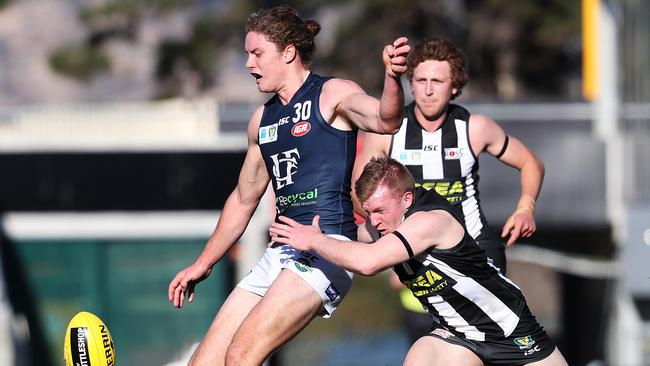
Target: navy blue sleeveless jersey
{"x":309,"y":161}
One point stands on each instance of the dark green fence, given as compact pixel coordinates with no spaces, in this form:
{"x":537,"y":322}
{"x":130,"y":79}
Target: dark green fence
{"x":125,"y":283}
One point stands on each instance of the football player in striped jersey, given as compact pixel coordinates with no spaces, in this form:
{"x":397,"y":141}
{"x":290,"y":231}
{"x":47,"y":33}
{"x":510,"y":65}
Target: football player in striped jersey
{"x":481,"y":317}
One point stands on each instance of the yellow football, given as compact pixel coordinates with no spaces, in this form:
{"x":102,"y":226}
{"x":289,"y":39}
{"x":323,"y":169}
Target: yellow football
{"x":88,"y":342}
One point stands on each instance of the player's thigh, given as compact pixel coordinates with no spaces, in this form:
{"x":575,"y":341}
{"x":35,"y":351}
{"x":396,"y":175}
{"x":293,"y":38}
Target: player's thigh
{"x":232,"y":313}
{"x":288,"y":306}
{"x":234,"y":310}
{"x":554,"y":359}
{"x":431,"y":351}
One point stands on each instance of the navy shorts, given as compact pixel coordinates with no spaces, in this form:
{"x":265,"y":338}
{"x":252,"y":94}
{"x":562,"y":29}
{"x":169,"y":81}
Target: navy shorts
{"x":528,"y":343}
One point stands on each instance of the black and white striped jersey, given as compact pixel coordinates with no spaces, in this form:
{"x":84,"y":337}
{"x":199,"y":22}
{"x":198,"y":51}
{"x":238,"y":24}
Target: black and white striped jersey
{"x":443,"y":160}
{"x":458,"y":286}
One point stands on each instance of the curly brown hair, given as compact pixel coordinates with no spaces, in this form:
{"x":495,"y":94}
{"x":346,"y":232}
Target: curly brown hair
{"x":440,"y":50}
{"x":283,"y":26}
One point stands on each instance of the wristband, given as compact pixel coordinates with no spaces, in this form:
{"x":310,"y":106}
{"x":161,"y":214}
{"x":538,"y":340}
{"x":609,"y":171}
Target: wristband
{"x":526,"y":205}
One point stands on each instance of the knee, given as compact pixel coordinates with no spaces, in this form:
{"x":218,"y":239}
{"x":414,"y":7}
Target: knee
{"x":192,"y":361}
{"x":235,"y":355}
{"x":196,"y":359}
{"x":244,"y":354}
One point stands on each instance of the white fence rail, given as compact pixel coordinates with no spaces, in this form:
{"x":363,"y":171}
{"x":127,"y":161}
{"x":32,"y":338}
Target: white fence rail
{"x":146,"y":125}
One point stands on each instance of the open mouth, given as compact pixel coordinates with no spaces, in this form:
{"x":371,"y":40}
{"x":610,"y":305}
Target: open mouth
{"x":256,"y":76}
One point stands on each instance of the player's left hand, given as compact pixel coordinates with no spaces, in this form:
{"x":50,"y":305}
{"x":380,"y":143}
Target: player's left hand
{"x":394,"y":57}
{"x":520,"y":224}
{"x":293,"y":233}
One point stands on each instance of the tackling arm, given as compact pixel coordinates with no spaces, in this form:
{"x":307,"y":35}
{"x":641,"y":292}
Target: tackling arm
{"x":422,"y":230}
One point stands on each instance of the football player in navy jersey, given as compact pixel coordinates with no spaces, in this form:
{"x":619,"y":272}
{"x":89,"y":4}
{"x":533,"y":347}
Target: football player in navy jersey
{"x":481,"y":317}
{"x":303,"y":141}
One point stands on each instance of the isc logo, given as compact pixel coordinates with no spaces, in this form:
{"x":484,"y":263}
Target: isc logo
{"x":300,"y":129}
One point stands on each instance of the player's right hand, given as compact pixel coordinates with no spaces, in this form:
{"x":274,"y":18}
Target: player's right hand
{"x":291,"y":232}
{"x":182,"y":286}
{"x":520,"y":225}
{"x":394,"y":57}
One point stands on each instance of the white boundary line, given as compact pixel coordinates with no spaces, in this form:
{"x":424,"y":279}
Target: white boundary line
{"x":109,"y":225}
{"x":200,"y":224}
{"x":563,"y":262}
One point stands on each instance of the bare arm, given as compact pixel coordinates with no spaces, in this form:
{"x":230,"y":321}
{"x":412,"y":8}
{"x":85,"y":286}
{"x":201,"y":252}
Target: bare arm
{"x":422,"y":230}
{"x":366,"y":233}
{"x":491,"y":138}
{"x":372,"y":145}
{"x":367,"y":113}
{"x":236,"y":213}
{"x":242,"y":202}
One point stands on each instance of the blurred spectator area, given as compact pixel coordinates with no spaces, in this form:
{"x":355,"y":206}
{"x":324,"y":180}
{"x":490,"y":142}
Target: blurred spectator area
{"x":84,"y":182}
{"x":173,"y":124}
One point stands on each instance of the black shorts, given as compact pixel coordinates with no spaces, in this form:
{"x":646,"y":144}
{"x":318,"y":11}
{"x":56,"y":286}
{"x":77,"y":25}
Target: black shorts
{"x":495,"y":250}
{"x":528,"y":343}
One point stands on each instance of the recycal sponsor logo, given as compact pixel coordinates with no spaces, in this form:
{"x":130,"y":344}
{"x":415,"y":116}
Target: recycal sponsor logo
{"x":300,"y":128}
{"x":291,"y":199}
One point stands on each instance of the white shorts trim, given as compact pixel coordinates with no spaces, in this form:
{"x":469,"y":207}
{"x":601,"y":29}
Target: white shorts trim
{"x":331,"y":282}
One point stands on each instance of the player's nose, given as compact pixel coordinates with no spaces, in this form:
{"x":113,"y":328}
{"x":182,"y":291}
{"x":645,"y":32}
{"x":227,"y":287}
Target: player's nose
{"x":374,"y":220}
{"x":429,"y":89}
{"x":249,"y":62}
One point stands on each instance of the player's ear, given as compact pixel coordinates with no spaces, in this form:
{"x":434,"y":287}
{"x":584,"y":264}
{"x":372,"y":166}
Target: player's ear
{"x":407,"y":199}
{"x":289,"y":53}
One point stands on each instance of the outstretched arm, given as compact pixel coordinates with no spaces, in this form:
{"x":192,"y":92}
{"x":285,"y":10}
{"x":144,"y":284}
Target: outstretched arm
{"x":368,"y":113}
{"x":236,"y":213}
{"x":421,"y":230}
{"x":391,"y":107}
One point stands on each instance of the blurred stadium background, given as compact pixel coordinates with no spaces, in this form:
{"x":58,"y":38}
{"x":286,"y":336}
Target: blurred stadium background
{"x":122,"y":131}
